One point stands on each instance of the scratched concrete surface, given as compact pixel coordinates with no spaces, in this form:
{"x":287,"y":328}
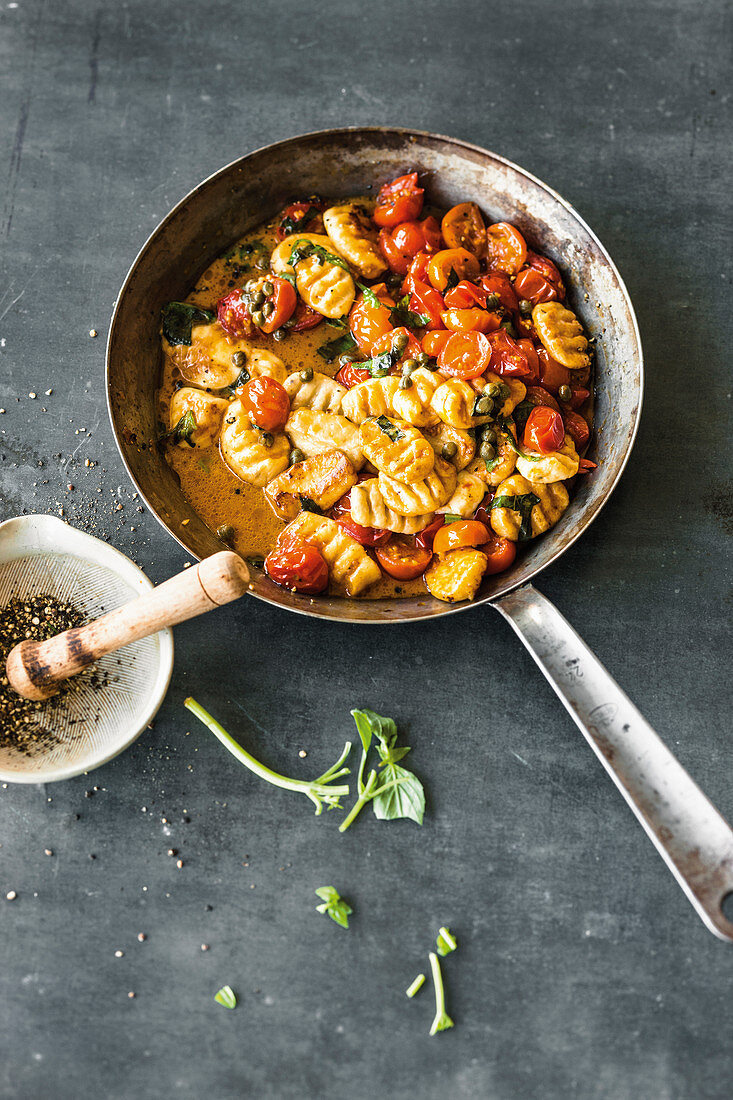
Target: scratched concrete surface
{"x":582,"y":970}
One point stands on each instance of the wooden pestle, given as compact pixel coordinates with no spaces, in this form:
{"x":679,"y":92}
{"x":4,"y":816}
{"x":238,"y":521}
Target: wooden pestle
{"x":34,"y":669}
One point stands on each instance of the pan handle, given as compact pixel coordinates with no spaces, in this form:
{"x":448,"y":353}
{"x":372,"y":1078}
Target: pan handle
{"x":693,"y":839}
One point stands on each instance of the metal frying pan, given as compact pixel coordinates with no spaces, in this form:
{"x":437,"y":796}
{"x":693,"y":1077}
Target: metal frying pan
{"x":692,"y":838}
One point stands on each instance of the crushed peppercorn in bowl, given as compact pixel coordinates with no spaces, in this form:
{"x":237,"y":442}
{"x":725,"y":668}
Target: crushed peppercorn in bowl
{"x":53,"y":577}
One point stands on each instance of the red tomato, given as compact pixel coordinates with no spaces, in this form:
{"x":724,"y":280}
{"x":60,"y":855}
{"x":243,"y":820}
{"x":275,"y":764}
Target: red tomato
{"x":579,"y":398}
{"x":418,"y":273}
{"x":369,"y":322}
{"x":465,"y":355}
{"x":299,"y":216}
{"x":232,"y":313}
{"x":507,"y":248}
{"x":366,"y":536}
{"x":532,"y":359}
{"x":296,"y":564}
{"x":536,"y":395}
{"x":434,"y":342}
{"x":431,"y":234}
{"x":501,"y":554}
{"x":284,"y":299}
{"x":533,"y":286}
{"x":544,"y":430}
{"x":384,"y":343}
{"x":499,"y":284}
{"x":427,"y":300}
{"x":465,"y":295}
{"x":402,"y":558}
{"x":426,"y":536}
{"x":304,"y":318}
{"x":350,"y":375}
{"x":470,"y":320}
{"x":547,"y":269}
{"x":399,"y":201}
{"x":401,"y":244}
{"x":586,"y":466}
{"x":266,"y":403}
{"x":552,"y":374}
{"x":577,"y":428}
{"x":508,"y":357}
{"x":483,"y":512}
{"x":466,"y":532}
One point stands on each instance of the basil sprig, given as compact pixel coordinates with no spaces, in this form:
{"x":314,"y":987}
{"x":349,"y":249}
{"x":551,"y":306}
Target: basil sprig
{"x":393,"y":791}
{"x":522,"y":503}
{"x":178,"y":318}
{"x":302,"y":249}
{"x":334,"y":905}
{"x":391,"y":430}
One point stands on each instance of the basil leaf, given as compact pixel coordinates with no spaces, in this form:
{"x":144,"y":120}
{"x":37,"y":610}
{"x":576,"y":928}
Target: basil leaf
{"x":288,"y":279}
{"x":303,"y":249}
{"x":380,"y":365}
{"x":404,"y":317}
{"x":453,"y":279}
{"x":369,"y":724}
{"x":241,"y":380}
{"x":309,"y":505}
{"x":178,"y":318}
{"x":334,"y":905}
{"x":389,"y":428}
{"x":523,"y":504}
{"x":336,"y":322}
{"x":334,"y":348}
{"x":369,"y":296}
{"x":328,"y":893}
{"x":182,"y":431}
{"x":226,"y":996}
{"x":406,"y":798}
{"x":292,"y":225}
{"x":521,"y":415}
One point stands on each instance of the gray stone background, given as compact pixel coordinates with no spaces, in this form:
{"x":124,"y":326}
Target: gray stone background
{"x":582,"y":970}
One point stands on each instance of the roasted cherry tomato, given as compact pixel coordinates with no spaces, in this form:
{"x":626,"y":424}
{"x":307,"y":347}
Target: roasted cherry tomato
{"x":426,"y":536}
{"x":367,"y":321}
{"x":531,"y":355}
{"x":470,"y":320}
{"x":465,"y":532}
{"x":537,"y":395}
{"x":402,"y":558}
{"x":428,"y":301}
{"x":547,"y":269}
{"x":304,"y":318}
{"x":384,"y":343}
{"x":508,"y":357}
{"x":579,"y":398}
{"x":544,"y":430}
{"x":298,"y":565}
{"x":586,"y":466}
{"x":266,"y":403}
{"x":464,"y":296}
{"x":299,"y":217}
{"x":418,"y":273}
{"x":232,"y":313}
{"x":399,"y":201}
{"x":577,"y":428}
{"x":434,"y":342}
{"x":501,"y":554}
{"x":483,"y":512}
{"x":463,"y":263}
{"x":552,"y":374}
{"x":401,"y":244}
{"x":532,"y":285}
{"x":507,"y":248}
{"x":463,"y":227}
{"x":350,"y":375}
{"x":366,"y":536}
{"x":283,"y":299}
{"x":498,"y":284}
{"x":465,"y":355}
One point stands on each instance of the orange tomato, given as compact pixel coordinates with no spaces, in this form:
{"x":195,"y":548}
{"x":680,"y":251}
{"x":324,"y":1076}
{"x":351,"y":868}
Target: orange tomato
{"x":466,"y":532}
{"x":434,"y":342}
{"x":463,"y":263}
{"x":470,"y":320}
{"x":369,"y":322}
{"x":463,"y":227}
{"x":403,"y":558}
{"x":507,"y":248}
{"x":501,"y":554}
{"x":428,"y":301}
{"x":465,"y":355}
{"x":384,"y":343}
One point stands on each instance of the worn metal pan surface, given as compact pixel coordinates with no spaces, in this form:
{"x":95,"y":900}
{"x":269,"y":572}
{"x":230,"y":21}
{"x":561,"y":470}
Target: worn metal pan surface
{"x":696,"y":843}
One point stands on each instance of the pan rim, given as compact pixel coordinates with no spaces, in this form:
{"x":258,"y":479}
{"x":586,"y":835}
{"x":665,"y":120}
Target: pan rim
{"x":449,"y":609}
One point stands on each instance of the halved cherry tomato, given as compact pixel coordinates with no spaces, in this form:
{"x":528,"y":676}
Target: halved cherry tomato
{"x":298,"y":565}
{"x":483,"y":512}
{"x":464,"y":227}
{"x":418,"y":273}
{"x":532,"y":359}
{"x":548,"y":270}
{"x":350,"y":375}
{"x":537,"y":395}
{"x":232,"y":313}
{"x":367,"y":321}
{"x":366,"y":536}
{"x":465,"y":355}
{"x":465,"y":532}
{"x":434,"y":342}
{"x":459,"y":260}
{"x":401,"y":244}
{"x":284,"y":299}
{"x":552,"y":374}
{"x":544,"y":430}
{"x":577,"y":428}
{"x":428,"y":301}
{"x":304,"y":318}
{"x":471,"y":320}
{"x":464,"y":296}
{"x":431,"y":232}
{"x":508,"y":357}
{"x":399,"y":201}
{"x":501,"y":554}
{"x":266,"y":403}
{"x":532,"y":285}
{"x":507,"y":248}
{"x":579,"y":398}
{"x":402,"y":558}
{"x":299,"y":216}
{"x":499,"y":284}
{"x":586,"y":466}
{"x":384,"y":343}
{"x":426,"y":536}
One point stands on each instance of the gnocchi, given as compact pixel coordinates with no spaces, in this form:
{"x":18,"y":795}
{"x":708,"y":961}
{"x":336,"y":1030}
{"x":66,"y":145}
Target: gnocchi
{"x":454,"y":444}
{"x":352,"y":232}
{"x":561,"y":334}
{"x":368,"y":508}
{"x":457,"y":575}
{"x":349,"y":565}
{"x":318,"y":392}
{"x":453,"y":401}
{"x":314,"y":432}
{"x":470,"y":490}
{"x":323,"y":480}
{"x":413,"y":404}
{"x":322,"y":284}
{"x":246,"y":450}
{"x":396,"y":448}
{"x":207,"y":412}
{"x":552,"y":500}
{"x":556,"y":466}
{"x":371,"y":398}
{"x":422,"y":496}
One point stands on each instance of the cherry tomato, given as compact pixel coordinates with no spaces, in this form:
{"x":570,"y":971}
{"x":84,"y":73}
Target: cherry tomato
{"x":434,"y":342}
{"x":431,"y":234}
{"x":266,"y":403}
{"x":463,"y":227}
{"x":537,"y":395}
{"x":579,"y":398}
{"x":544,"y":430}
{"x":232,"y":313}
{"x":507,"y":248}
{"x":465,"y":355}
{"x":586,"y":466}
{"x":401,"y":244}
{"x":470,"y":320}
{"x":366,"y":536}
{"x":459,"y":260}
{"x":426,"y":536}
{"x":284,"y":299}
{"x":369,"y":322}
{"x":532,"y":359}
{"x":464,"y":296}
{"x":533,"y":286}
{"x":552,"y":374}
{"x":483,"y":512}
{"x":399,"y":201}
{"x":384,"y":343}
{"x":501,"y":554}
{"x":418,"y":273}
{"x":498,"y":284}
{"x":298,"y":565}
{"x":466,"y":532}
{"x":402,"y":558}
{"x":508,"y":357}
{"x":577,"y":428}
{"x":304,"y":318}
{"x":547,"y":269}
{"x":428,"y":301}
{"x":299,"y":216}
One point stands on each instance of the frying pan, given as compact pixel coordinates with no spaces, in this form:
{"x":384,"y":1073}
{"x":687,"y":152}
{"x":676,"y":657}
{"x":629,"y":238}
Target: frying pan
{"x":689,"y":833}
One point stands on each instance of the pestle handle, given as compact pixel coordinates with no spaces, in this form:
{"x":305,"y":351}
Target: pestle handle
{"x":34,"y":669}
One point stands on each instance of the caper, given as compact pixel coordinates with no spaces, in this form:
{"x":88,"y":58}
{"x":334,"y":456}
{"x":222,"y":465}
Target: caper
{"x":306,"y":375}
{"x":484,"y":406}
{"x":509,"y":329}
{"x":487,"y":451}
{"x":257,"y":299}
{"x":251,"y":285}
{"x":449,"y":450}
{"x":296,"y":455}
{"x":268,"y":287}
{"x":405,"y":382}
{"x":262,"y":263}
{"x":525,"y":307}
{"x":400,"y":342}
{"x":493,"y":301}
{"x":489,"y":435}
{"x":268,"y":309}
{"x":225,"y":532}
{"x":408,"y":366}
{"x":267,"y":439}
{"x":565,"y":393}
{"x":432,"y":364}
{"x":258,"y":317}
{"x":279,"y":334}
{"x":493,"y":389}
{"x":239,"y":359}
{"x":421,"y":359}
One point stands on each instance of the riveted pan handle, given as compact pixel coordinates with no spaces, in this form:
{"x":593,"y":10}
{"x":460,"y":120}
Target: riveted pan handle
{"x":693,"y":839}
